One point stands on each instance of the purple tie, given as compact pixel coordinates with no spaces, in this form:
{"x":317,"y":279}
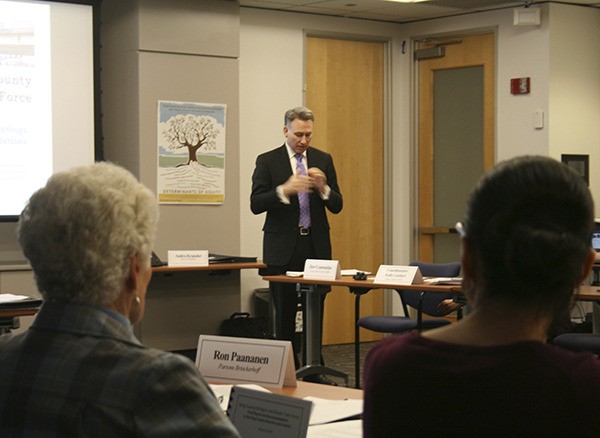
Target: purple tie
{"x":303,"y":196}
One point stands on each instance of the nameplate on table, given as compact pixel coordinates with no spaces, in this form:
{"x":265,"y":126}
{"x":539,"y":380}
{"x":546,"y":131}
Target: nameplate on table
{"x":264,"y":362}
{"x":400,"y":275}
{"x":187,"y":258}
{"x":256,"y":414}
{"x":322,"y":269}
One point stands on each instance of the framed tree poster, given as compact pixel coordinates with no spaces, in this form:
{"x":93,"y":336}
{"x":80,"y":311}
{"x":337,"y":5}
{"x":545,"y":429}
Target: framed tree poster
{"x":191,"y":153}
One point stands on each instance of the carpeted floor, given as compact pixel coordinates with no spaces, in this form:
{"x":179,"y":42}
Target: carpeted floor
{"x":341,"y":357}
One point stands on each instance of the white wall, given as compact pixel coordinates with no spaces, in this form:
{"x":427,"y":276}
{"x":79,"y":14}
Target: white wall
{"x":562,"y":51}
{"x":271,"y":70}
{"x":574,"y":105}
{"x":271,"y":82}
{"x":574,"y":115}
{"x":561,"y":58}
{"x":520,"y":52}
{"x":271,"y":77}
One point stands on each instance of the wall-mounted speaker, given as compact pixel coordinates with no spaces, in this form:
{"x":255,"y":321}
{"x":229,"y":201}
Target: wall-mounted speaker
{"x":527,"y":16}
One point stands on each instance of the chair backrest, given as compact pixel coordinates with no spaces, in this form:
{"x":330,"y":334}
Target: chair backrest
{"x":430,"y":300}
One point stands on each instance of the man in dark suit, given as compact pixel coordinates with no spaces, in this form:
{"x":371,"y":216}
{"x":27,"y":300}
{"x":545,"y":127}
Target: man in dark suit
{"x":294,"y":184}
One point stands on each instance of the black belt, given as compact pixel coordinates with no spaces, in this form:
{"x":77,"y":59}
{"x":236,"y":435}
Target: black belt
{"x":304,"y":231}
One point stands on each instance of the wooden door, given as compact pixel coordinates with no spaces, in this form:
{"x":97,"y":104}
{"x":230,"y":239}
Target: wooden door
{"x":456,"y":136}
{"x":344,"y":88}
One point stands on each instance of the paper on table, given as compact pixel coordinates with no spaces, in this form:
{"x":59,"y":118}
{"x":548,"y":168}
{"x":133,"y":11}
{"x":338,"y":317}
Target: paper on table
{"x":443,"y":280}
{"x":11,"y":298}
{"x":326,"y":411}
{"x":294,"y":273}
{"x":222,"y":393}
{"x":353,"y":272}
{"x":340,"y":429}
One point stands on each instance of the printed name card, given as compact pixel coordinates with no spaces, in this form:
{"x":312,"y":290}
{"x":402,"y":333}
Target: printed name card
{"x":187,"y":258}
{"x":390,"y":274}
{"x":256,"y":414}
{"x":322,"y":269}
{"x":246,"y":360}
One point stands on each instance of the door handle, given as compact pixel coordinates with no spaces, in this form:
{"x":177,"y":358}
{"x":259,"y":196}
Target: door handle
{"x":437,"y":230}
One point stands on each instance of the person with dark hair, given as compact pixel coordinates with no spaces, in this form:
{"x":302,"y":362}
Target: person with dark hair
{"x":525,"y":249}
{"x":79,"y":370}
{"x":294,"y":184}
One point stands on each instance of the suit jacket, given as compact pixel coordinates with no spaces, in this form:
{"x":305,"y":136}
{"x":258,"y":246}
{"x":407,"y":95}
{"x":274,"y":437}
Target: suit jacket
{"x":281,"y":223}
{"x":79,"y":371}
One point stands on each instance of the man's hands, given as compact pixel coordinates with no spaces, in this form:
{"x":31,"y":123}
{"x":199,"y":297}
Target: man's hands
{"x":318,"y":177}
{"x":298,"y":183}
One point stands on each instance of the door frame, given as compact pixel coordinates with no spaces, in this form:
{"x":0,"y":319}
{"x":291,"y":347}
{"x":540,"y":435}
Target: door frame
{"x":489,"y":156}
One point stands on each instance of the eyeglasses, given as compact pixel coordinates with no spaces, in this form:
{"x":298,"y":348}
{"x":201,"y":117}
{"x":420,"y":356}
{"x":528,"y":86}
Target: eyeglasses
{"x":460,"y":229}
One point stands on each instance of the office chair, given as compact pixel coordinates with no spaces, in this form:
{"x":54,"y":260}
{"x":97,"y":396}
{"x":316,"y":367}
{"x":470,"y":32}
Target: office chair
{"x":579,"y":342}
{"x":423,"y":302}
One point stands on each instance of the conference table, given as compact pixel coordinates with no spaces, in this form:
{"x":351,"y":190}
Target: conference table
{"x":587,"y":293}
{"x":308,"y":389}
{"x":185,"y":301}
{"x":10,"y":313}
{"x":359,"y":288}
{"x":232,"y":266}
{"x":313,"y":314}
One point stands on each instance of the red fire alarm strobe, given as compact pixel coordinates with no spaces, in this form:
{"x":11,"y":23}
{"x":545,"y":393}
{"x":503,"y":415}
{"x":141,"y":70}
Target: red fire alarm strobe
{"x":519,"y":86}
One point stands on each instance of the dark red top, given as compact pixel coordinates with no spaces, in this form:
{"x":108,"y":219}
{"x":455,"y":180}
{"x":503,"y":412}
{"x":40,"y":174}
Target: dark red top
{"x":415,"y":386}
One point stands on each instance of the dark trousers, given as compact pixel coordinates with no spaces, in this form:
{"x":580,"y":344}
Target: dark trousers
{"x":286,"y":298}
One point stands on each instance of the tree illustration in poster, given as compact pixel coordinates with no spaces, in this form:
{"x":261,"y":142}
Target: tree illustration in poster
{"x":191,"y":153}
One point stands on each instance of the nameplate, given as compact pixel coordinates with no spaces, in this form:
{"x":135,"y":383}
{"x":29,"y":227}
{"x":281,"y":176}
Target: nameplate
{"x":256,"y":414}
{"x":322,"y":269}
{"x":187,"y":258}
{"x":401,"y":275}
{"x":264,"y":362}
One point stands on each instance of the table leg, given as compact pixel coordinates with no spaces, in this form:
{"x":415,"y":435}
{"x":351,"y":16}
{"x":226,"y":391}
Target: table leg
{"x":312,"y":333}
{"x":9,"y":323}
{"x":358,"y":292}
{"x":356,"y":340}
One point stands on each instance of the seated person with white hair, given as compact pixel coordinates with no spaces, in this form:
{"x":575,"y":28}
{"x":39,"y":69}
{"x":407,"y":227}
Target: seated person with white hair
{"x":79,"y":370}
